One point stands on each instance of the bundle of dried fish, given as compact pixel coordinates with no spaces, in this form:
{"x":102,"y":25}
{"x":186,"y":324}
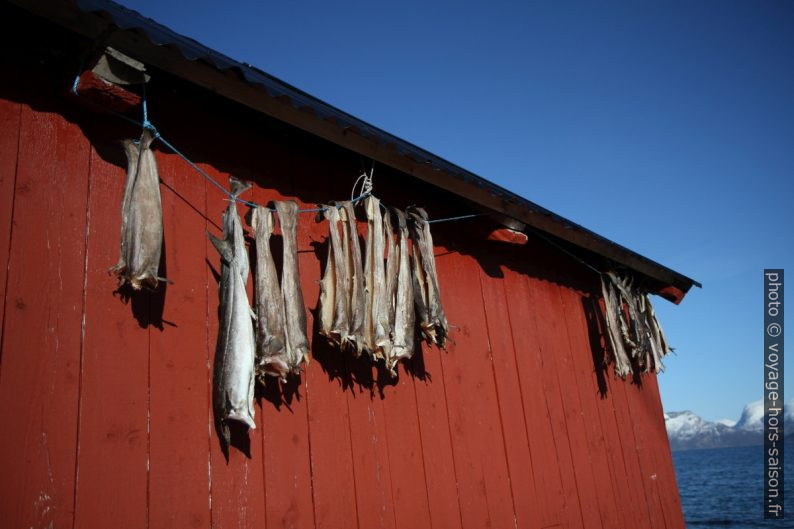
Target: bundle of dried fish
{"x":233,"y":385}
{"x":271,"y":339}
{"x":632,"y":328}
{"x":404,"y":316}
{"x":141,"y":217}
{"x":295,"y":314}
{"x":427,"y":296}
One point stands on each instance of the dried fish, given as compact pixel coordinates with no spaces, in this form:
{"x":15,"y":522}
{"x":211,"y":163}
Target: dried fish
{"x":387,"y":318}
{"x":141,"y":218}
{"x":341,"y":300}
{"x":297,"y":342}
{"x":355,"y":280}
{"x":271,"y":339}
{"x":638,"y":332}
{"x":328,"y":288}
{"x":433,"y":321}
{"x":378,"y":310}
{"x":611,"y":313}
{"x":233,"y":385}
{"x":404,"y":319}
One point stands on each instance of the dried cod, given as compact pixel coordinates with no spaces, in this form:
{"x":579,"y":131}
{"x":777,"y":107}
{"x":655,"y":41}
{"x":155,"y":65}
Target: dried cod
{"x":295,"y":313}
{"x":427,"y":296}
{"x":233,"y":385}
{"x":141,"y":217}
{"x":271,"y":340}
{"x":633,"y":331}
{"x":404,"y":317}
{"x":355,"y":276}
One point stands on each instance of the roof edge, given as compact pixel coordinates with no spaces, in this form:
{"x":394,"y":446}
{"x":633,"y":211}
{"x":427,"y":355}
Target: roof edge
{"x":187,"y":59}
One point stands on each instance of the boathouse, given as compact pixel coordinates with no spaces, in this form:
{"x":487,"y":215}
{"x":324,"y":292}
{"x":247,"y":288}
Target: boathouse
{"x":105,"y":400}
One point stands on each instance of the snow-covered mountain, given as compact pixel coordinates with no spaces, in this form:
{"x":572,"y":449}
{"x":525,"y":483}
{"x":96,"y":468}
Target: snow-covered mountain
{"x":686,"y":430}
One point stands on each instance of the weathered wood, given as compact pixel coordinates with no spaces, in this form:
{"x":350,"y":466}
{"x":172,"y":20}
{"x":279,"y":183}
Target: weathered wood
{"x":511,"y":403}
{"x":114,"y":401}
{"x":478,"y":446}
{"x":10,"y":125}
{"x":179,"y":374}
{"x":44,"y":307}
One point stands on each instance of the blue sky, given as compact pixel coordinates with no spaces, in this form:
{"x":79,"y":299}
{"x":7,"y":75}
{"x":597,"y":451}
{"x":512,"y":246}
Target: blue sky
{"x":667,"y":127}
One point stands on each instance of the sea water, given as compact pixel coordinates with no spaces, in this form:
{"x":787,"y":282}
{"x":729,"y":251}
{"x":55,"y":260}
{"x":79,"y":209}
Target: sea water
{"x":724,"y":487}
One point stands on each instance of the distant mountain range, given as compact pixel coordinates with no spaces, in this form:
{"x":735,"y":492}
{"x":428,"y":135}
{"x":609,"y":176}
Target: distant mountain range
{"x":686,"y":430}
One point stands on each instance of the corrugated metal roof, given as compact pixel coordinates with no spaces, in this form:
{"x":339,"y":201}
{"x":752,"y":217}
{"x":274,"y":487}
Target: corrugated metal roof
{"x":92,"y":18}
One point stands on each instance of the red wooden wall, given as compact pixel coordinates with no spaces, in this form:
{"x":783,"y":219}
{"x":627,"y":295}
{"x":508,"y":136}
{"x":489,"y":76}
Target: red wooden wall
{"x":106,"y":407}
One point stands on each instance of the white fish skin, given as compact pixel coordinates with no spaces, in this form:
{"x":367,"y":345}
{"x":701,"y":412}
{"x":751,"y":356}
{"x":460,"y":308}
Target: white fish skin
{"x":358,"y":303}
{"x":141,"y":218}
{"x":436,"y":328}
{"x":341,"y":319}
{"x":328,"y":291}
{"x":404,"y":319}
{"x":294,"y":309}
{"x":379,"y":310}
{"x":233,"y":385}
{"x":390,"y":292}
{"x":271,"y":340}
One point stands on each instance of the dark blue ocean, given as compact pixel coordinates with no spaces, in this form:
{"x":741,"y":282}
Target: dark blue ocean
{"x":723,"y":487}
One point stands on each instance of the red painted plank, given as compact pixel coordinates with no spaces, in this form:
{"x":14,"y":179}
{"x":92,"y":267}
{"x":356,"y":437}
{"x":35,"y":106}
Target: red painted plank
{"x":554,"y":347}
{"x":178,"y":478}
{"x":668,"y":487}
{"x":631,"y":508}
{"x":371,"y":460}
{"x":583,"y":373}
{"x":41,"y":345}
{"x":645,"y":452}
{"x":406,"y":459}
{"x":10,"y":115}
{"x":478,"y":448}
{"x":114,"y":398}
{"x":434,"y":427}
{"x":547,"y":464}
{"x":511,"y":402}
{"x":285,"y":426}
{"x":237,"y":485}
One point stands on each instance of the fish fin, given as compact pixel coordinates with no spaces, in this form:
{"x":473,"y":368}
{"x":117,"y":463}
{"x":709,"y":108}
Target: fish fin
{"x":223,"y":247}
{"x":237,"y":186}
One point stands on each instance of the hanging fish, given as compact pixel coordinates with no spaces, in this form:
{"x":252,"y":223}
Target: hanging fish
{"x":611,"y":317}
{"x":328,"y":281}
{"x":355,"y":279}
{"x":271,"y":339}
{"x":404,"y":318}
{"x":378,"y":329}
{"x":233,"y":385}
{"x":392,"y":271}
{"x":432,"y":320}
{"x":340,"y":321}
{"x":141,"y":217}
{"x":295,"y":313}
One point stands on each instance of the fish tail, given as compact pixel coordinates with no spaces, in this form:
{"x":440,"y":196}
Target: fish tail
{"x":238,"y":186}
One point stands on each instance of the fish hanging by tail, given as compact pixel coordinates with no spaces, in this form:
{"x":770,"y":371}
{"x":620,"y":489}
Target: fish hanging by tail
{"x":233,"y":384}
{"x":141,"y":218}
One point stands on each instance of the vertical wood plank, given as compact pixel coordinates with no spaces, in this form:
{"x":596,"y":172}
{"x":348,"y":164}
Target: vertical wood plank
{"x":441,"y":476}
{"x":554,"y":347}
{"x":511,"y":402}
{"x":406,"y":459}
{"x":41,"y":346}
{"x":10,"y":124}
{"x":114,"y":403}
{"x":178,"y":477}
{"x":481,"y":466}
{"x":552,"y":489}
{"x":583,"y":374}
{"x":632,"y":510}
{"x":237,"y":485}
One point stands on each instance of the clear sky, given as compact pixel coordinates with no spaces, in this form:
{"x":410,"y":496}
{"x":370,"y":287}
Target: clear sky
{"x":667,"y":127}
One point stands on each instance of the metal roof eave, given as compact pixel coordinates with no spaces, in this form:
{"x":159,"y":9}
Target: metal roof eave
{"x":154,"y":44}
